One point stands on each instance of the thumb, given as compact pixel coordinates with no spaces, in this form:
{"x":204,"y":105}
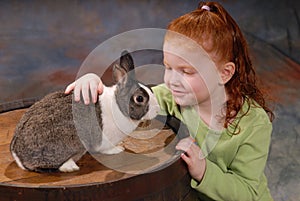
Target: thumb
{"x":70,"y":87}
{"x":185,"y":158}
{"x":100,"y":88}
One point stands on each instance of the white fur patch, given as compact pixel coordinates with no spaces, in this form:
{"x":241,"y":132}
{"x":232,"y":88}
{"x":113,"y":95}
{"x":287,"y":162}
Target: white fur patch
{"x":154,"y":107}
{"x":69,"y":166}
{"x":115,"y":125}
{"x":18,"y":160}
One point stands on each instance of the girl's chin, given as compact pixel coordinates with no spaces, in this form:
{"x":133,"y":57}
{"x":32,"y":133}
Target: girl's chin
{"x":184,"y":101}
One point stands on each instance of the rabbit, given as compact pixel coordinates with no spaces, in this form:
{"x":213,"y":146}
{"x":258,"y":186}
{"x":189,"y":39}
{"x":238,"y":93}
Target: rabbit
{"x":55,"y":132}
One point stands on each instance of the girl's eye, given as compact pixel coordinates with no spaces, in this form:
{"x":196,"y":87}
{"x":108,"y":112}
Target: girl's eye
{"x":188,"y":72}
{"x":168,"y":68}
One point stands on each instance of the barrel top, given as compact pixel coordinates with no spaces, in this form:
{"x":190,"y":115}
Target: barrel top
{"x":141,"y":156}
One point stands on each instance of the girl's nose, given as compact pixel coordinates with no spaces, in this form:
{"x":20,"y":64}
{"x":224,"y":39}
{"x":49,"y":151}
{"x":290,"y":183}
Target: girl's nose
{"x":175,"y":78}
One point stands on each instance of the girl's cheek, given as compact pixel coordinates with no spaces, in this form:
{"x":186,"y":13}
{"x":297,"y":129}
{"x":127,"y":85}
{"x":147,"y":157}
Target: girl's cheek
{"x":166,"y":77}
{"x":195,"y":85}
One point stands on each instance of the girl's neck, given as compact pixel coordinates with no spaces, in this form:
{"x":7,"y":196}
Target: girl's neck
{"x":211,"y":113}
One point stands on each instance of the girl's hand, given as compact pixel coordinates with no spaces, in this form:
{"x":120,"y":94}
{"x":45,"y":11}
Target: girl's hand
{"x":193,"y":157}
{"x":88,"y":83}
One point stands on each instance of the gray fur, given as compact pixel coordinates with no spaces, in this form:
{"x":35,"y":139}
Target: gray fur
{"x":46,"y":136}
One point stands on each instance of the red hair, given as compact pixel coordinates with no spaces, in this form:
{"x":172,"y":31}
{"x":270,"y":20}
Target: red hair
{"x":211,"y":22}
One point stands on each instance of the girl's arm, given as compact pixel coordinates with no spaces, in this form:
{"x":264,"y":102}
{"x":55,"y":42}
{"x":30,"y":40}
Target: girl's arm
{"x":236,"y":171}
{"x":89,"y":85}
{"x":244,"y":178}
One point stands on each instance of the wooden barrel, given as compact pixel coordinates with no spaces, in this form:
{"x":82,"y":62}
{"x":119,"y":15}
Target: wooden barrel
{"x":165,"y":178}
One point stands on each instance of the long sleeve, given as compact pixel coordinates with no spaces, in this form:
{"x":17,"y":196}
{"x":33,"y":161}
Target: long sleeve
{"x":166,"y":102}
{"x":235,"y":163}
{"x":244,"y":178}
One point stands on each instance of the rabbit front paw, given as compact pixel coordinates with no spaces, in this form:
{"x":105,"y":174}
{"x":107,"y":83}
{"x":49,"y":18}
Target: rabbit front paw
{"x":69,"y":166}
{"x":114,"y":150}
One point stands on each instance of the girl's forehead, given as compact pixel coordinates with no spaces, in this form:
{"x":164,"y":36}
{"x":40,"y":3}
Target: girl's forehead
{"x":186,"y":55}
{"x":182,"y":56}
{"x":172,"y":58}
{"x":188,"y":48}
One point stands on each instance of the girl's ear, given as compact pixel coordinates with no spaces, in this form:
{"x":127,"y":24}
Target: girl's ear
{"x":226,"y":72}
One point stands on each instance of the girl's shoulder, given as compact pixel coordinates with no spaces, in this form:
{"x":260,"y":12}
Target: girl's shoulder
{"x":252,"y":112}
{"x":252,"y":124}
{"x":250,"y":116}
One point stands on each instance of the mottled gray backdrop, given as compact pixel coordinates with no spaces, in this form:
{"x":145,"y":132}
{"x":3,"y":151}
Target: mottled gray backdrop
{"x":43,"y":43}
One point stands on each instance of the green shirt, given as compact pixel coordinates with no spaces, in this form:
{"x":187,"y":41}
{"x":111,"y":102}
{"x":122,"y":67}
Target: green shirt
{"x":235,"y":163}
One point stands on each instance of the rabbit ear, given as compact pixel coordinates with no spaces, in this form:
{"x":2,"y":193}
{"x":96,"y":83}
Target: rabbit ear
{"x":119,"y":74}
{"x":122,"y":72}
{"x":126,"y":62}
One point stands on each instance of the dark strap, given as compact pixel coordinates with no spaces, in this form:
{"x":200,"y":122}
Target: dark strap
{"x":18,"y":104}
{"x":175,"y":124}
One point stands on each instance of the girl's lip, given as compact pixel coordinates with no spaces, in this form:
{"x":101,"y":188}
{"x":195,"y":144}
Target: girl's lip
{"x":177,"y":92}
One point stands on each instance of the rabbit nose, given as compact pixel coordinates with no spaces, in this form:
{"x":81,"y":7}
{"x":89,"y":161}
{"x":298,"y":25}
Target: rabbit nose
{"x":154,"y":108}
{"x":152,"y":112}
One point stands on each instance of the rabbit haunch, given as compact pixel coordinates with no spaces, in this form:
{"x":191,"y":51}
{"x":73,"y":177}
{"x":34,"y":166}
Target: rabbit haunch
{"x":55,"y":132}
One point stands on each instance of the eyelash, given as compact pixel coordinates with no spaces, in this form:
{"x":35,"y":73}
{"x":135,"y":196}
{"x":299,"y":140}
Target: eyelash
{"x":183,"y":71}
{"x":186,"y":72}
{"x":167,"y":67}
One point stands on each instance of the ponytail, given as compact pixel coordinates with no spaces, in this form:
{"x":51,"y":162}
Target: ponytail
{"x":242,"y":85}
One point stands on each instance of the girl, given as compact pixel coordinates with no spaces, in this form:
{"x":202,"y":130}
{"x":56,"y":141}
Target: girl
{"x":229,"y":122}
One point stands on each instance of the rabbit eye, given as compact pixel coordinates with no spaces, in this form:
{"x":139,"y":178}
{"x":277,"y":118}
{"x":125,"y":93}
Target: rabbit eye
{"x":139,"y":99}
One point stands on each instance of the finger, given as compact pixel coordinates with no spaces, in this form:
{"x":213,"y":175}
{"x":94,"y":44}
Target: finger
{"x":100,"y":87}
{"x":70,"y":87}
{"x":184,"y":144}
{"x":192,"y":151}
{"x":77,"y":91}
{"x":195,"y":153}
{"x":94,"y":92}
{"x":180,"y":147}
{"x":85,"y":90}
{"x":185,"y":158}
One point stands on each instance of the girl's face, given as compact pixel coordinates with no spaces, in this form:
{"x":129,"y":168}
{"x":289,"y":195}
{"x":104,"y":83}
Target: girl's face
{"x":184,"y":81}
